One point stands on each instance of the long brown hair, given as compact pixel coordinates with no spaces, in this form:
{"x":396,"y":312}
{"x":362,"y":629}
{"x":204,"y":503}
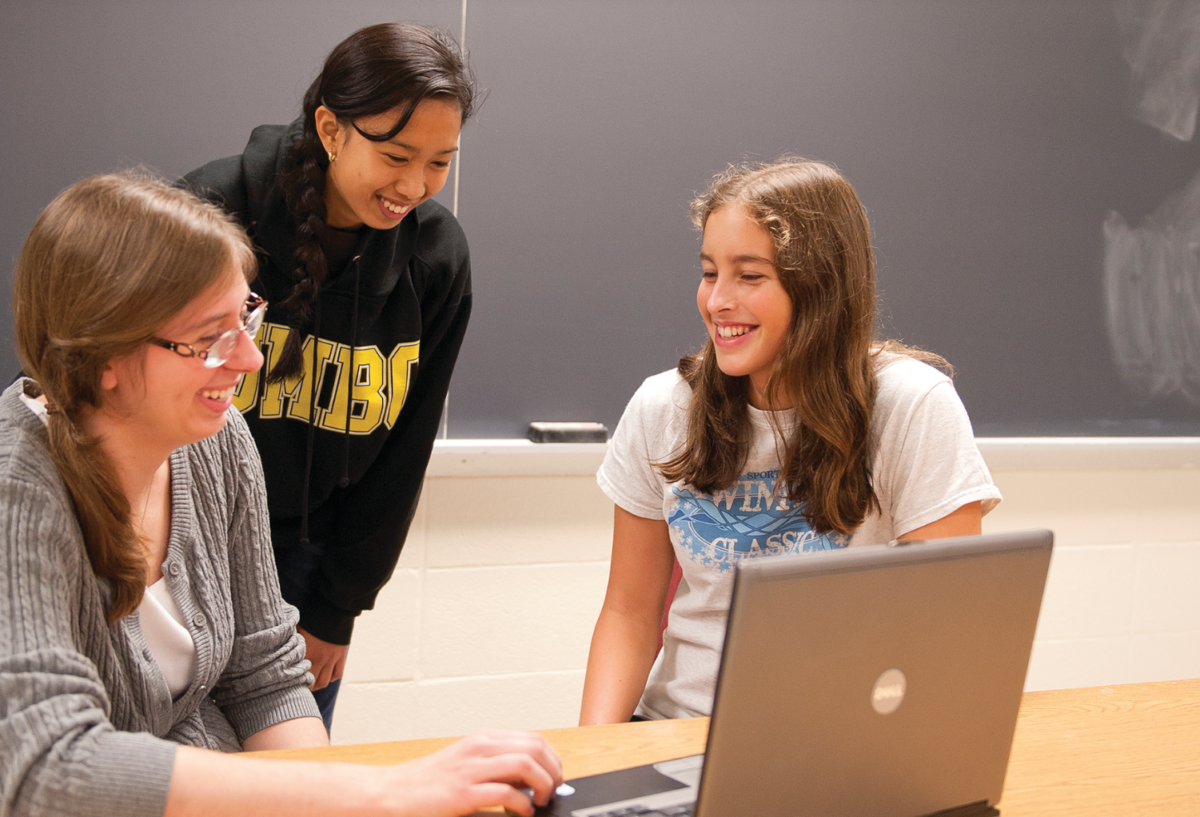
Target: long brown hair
{"x":826,"y":369}
{"x":107,"y":264}
{"x":378,"y":69}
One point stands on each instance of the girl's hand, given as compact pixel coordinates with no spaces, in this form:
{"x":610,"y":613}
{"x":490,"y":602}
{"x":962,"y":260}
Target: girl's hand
{"x":484,"y":769}
{"x":328,"y":660}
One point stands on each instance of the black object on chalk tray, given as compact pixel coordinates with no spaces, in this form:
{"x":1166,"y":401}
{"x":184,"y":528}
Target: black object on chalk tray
{"x":568,"y":432}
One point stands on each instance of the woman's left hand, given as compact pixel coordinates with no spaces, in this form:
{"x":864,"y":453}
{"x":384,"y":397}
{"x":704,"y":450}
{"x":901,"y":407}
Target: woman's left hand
{"x":328,"y":660}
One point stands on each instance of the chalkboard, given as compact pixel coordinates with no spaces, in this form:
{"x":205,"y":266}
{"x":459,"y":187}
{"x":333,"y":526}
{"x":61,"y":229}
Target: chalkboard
{"x":1030,"y":168}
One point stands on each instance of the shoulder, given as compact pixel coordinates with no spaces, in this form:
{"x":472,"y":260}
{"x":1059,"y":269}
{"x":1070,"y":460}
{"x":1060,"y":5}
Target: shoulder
{"x":667,"y":387}
{"x":901,"y":371}
{"x":440,"y":238}
{"x":24,"y":446}
{"x":917,"y":406}
{"x":215,"y":180}
{"x":663,"y":393}
{"x":33,"y":496}
{"x":234,"y":440}
{"x":440,"y":264}
{"x":904,"y":381}
{"x":223,"y":458}
{"x":234,"y":181}
{"x":926,"y":463}
{"x":651,"y":428}
{"x":657,"y":412}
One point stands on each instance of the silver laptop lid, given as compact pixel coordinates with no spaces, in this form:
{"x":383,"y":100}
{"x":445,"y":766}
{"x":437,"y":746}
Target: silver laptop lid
{"x":874,"y":680}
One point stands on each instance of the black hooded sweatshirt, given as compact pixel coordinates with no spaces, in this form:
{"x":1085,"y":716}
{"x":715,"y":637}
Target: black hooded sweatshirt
{"x":389,"y":326}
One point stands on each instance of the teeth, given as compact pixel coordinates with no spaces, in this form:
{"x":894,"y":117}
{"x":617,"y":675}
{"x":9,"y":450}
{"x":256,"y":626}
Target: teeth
{"x":223,"y":394}
{"x":395,"y":208}
{"x":732,"y":331}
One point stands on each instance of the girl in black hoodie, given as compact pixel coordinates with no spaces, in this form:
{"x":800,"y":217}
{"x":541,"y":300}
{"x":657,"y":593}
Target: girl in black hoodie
{"x":369,"y":282}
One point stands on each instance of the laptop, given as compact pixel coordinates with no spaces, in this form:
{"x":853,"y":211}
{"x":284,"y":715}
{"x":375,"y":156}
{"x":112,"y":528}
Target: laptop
{"x":879,"y":680}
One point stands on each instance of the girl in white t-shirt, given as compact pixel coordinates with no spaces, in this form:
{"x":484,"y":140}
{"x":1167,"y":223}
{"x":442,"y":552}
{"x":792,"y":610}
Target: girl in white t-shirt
{"x":792,"y":431}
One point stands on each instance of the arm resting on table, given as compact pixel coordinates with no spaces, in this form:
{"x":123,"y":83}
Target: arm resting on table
{"x":482,"y":770}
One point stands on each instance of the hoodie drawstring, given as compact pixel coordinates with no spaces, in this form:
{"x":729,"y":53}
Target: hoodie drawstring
{"x":344,"y":482}
{"x":312,"y":413}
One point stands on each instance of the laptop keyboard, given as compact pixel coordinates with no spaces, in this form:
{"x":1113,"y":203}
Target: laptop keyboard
{"x":686,"y":810}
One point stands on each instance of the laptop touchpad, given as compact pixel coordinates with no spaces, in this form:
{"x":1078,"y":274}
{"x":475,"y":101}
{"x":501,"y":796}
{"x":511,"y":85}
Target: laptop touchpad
{"x":685,"y":770}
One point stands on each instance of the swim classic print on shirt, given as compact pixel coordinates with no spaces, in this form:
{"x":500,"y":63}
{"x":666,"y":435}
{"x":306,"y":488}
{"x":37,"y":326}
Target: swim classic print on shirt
{"x":746,"y":520}
{"x":377,"y":387}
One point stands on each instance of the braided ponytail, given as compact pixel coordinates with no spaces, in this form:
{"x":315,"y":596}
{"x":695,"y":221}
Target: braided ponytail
{"x":107,"y":264}
{"x":103,"y":512}
{"x":390,"y":67}
{"x":304,"y":191}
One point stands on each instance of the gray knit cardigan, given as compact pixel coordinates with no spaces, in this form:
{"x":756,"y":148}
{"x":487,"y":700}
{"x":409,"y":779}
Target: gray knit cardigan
{"x":87,"y":725}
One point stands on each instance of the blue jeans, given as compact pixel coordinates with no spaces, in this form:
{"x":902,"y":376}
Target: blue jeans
{"x":326,"y":698}
{"x":297,"y":567}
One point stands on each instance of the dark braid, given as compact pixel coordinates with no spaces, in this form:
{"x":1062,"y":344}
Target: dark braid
{"x":378,"y":69}
{"x":304,"y":190}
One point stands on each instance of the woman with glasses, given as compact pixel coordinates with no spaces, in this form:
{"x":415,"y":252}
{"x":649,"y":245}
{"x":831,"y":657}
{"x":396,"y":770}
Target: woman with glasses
{"x":141,"y":623}
{"x":370,"y":290}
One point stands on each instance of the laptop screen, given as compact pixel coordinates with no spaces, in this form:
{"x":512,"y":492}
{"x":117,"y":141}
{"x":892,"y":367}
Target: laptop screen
{"x":877,"y":680}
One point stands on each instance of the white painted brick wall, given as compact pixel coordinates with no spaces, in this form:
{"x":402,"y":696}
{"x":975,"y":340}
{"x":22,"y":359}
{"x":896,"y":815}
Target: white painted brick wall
{"x":488,"y":618}
{"x":1122,"y":602}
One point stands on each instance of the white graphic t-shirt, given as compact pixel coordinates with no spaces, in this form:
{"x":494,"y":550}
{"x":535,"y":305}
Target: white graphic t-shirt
{"x":924,"y":464}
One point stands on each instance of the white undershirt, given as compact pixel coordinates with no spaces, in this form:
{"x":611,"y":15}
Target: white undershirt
{"x":37,"y":407}
{"x":169,"y":641}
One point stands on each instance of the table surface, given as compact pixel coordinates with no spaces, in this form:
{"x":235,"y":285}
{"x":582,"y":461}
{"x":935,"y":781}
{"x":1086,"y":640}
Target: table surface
{"x":1116,"y":750}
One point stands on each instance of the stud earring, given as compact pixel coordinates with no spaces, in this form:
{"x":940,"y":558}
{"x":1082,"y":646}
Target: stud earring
{"x":332,"y":156}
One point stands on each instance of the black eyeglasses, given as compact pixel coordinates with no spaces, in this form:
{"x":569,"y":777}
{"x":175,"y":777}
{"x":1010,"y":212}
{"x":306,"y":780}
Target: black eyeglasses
{"x":221,"y":349}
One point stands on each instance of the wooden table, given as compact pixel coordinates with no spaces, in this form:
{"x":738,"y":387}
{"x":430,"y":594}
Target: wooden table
{"x":1119,"y":750}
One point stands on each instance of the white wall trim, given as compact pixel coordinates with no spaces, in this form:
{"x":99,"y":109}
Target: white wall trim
{"x":501,"y":458}
{"x":514,"y":458}
{"x":1042,"y":453}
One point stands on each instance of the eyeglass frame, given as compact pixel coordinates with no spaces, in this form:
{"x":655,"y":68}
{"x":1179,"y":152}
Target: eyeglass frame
{"x":255,"y":311}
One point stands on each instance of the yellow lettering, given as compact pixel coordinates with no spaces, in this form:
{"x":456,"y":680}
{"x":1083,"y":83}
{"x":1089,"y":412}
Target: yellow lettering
{"x":402,"y":363}
{"x":369,"y":383}
{"x":376,"y":388}
{"x":298,"y":391}
{"x":364,"y":386}
{"x":274,"y":337}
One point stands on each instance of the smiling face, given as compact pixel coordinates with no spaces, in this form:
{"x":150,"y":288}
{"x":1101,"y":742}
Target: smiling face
{"x":745,"y":308}
{"x":378,"y":183}
{"x":171,"y":400}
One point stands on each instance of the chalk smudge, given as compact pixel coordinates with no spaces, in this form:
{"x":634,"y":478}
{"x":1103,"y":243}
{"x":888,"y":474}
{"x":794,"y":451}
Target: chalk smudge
{"x":1152,"y":293}
{"x":1161,"y":44}
{"x":1152,"y":271}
